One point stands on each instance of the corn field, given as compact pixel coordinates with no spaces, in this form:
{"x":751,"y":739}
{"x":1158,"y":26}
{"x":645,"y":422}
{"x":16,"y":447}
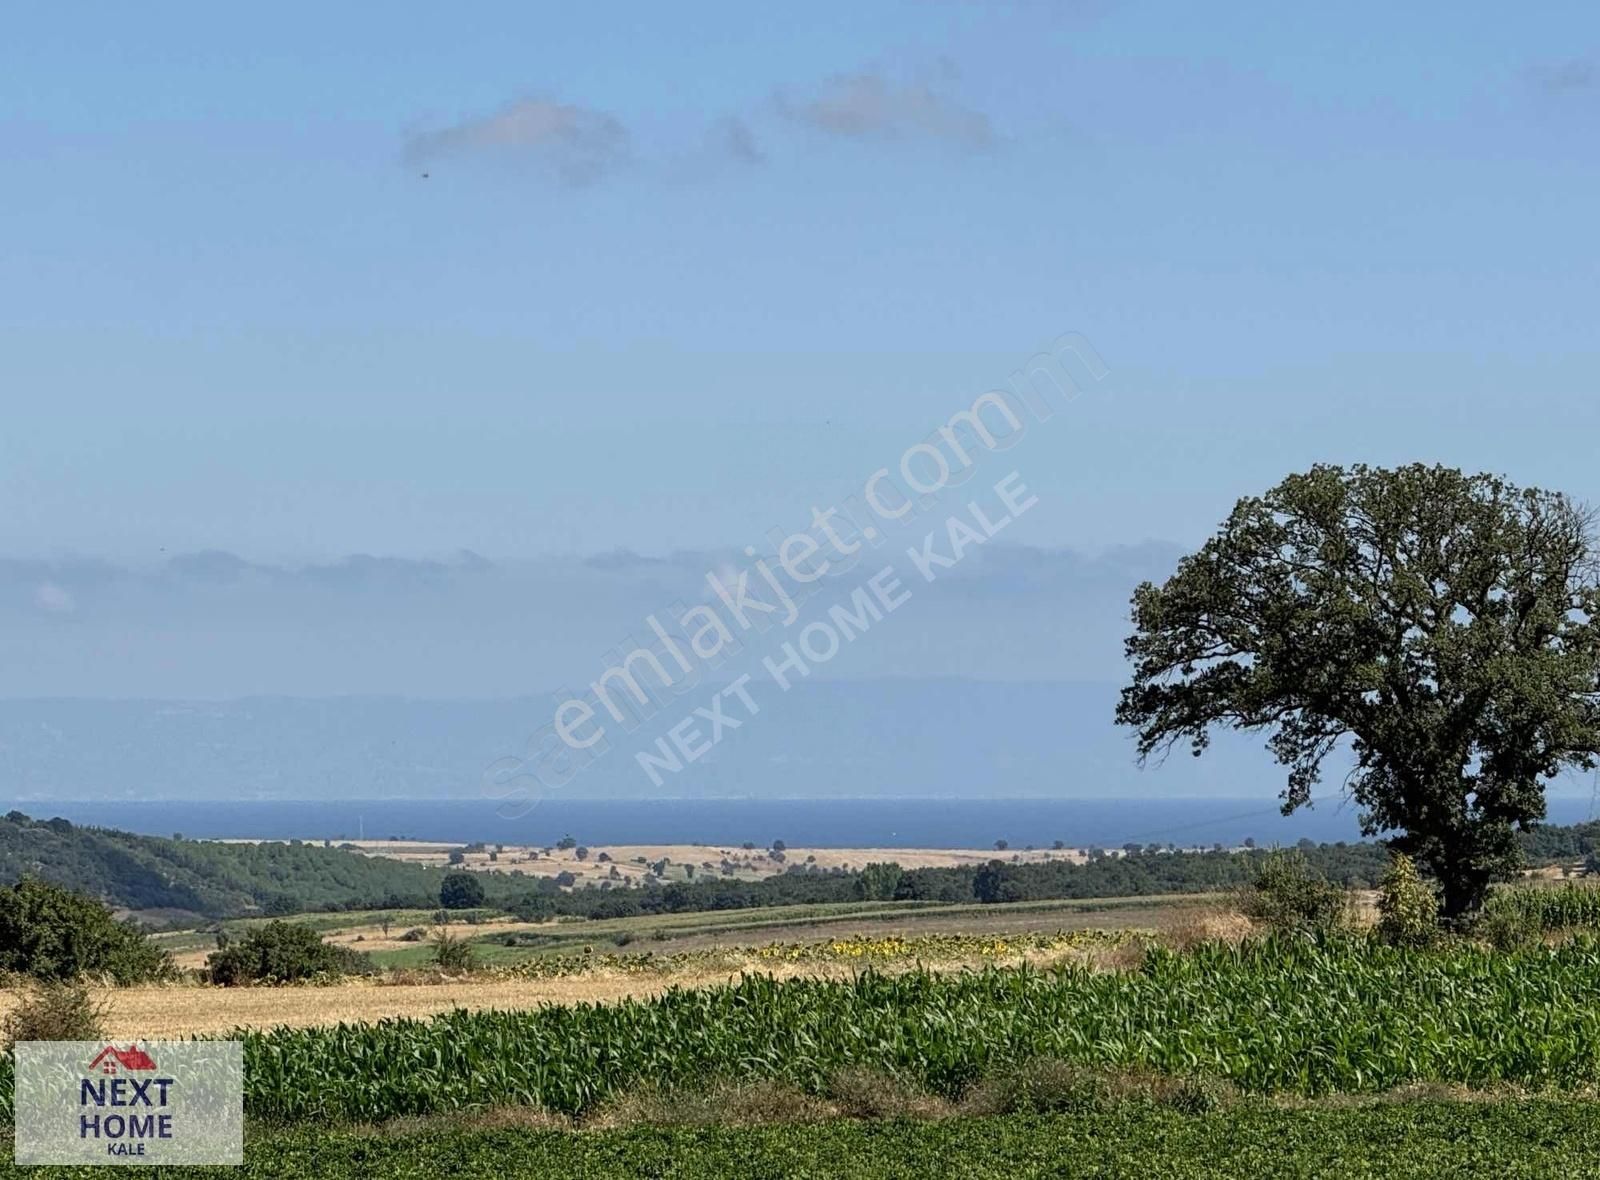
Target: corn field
{"x":1296,"y":1017}
{"x":1562,"y":907}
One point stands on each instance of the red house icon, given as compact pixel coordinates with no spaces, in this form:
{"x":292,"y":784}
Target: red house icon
{"x":110,"y":1059}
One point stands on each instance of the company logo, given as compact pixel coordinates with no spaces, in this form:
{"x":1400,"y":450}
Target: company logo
{"x":129,"y":1102}
{"x":122,"y":1112}
{"x":111,"y":1060}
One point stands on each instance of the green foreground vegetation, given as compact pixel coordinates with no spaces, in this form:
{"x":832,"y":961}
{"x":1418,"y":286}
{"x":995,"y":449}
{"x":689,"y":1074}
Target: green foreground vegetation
{"x":1510,"y":1140}
{"x":1285,"y":1015}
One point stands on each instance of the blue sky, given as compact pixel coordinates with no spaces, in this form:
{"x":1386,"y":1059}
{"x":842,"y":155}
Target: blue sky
{"x":677,"y":274}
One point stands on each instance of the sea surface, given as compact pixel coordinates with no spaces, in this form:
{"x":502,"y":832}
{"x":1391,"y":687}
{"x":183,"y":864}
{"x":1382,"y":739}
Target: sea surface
{"x":824,"y":823}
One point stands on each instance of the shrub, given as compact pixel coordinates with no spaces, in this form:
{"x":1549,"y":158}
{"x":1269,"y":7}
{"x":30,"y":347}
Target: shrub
{"x":1407,"y":907}
{"x":461,"y":891}
{"x":1051,"y":1086}
{"x":531,"y":907}
{"x":54,"y":1011}
{"x":452,"y":953}
{"x":415,"y":934}
{"x":1506,"y":928}
{"x":48,"y":932}
{"x":1289,"y":895}
{"x":281,"y":952}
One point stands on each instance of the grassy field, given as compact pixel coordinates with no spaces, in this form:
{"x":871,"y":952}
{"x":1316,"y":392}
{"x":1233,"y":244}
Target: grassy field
{"x":1510,"y":1140}
{"x":669,"y":934}
{"x":678,"y":933}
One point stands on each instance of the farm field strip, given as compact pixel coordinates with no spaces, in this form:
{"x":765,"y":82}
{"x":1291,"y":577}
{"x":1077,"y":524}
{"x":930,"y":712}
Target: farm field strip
{"x":192,"y":1009}
{"x":1289,"y":1017}
{"x":669,"y":934}
{"x":1508,"y":1139}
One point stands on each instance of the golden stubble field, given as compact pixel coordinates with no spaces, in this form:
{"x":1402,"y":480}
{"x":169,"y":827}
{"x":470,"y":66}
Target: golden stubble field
{"x":631,"y":862}
{"x":190,"y":1009}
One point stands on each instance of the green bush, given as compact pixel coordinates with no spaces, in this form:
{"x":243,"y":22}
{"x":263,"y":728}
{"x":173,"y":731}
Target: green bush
{"x":1288,"y":895}
{"x":1505,"y":930}
{"x":452,"y":953}
{"x":54,"y":1011}
{"x":1408,"y":909}
{"x":48,"y":932}
{"x":461,"y":891}
{"x":281,"y":952}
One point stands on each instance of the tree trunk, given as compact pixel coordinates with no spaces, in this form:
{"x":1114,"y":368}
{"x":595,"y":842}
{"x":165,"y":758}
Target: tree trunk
{"x":1462,"y":891}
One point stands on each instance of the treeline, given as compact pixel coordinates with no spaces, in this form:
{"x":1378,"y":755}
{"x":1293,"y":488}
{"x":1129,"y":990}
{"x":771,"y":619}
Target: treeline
{"x":217,"y":880}
{"x":1130,"y":874}
{"x":1554,"y":843}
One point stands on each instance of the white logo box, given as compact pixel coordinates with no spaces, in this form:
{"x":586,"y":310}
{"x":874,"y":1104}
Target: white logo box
{"x":129,"y":1102}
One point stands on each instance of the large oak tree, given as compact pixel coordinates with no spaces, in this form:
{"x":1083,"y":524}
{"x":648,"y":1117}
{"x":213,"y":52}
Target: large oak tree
{"x":1439,"y":627}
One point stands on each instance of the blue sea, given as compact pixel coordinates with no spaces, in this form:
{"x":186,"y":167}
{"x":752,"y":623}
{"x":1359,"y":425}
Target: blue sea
{"x":822,"y":823}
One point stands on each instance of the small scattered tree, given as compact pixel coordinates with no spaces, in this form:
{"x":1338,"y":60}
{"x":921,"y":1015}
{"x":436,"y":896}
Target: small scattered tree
{"x":457,"y":857}
{"x":1001,"y":845}
{"x":877,"y":881}
{"x":995,"y":883}
{"x":461,"y":891}
{"x":451,"y":953}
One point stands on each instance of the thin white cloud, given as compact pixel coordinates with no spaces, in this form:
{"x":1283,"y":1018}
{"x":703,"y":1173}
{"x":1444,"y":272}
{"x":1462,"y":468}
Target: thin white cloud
{"x":576,"y":144}
{"x":1561,"y":77}
{"x":53,"y":599}
{"x":869,"y":106}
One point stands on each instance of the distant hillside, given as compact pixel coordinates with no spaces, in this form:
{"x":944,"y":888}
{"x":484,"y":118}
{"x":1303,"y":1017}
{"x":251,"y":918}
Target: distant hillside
{"x":218,"y":880}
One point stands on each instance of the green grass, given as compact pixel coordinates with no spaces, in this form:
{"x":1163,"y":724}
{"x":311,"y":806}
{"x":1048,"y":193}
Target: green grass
{"x":400,"y":920}
{"x":1507,"y":1140}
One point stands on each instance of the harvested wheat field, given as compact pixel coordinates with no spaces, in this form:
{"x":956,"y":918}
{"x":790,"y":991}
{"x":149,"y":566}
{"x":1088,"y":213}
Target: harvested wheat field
{"x":183,"y":1010}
